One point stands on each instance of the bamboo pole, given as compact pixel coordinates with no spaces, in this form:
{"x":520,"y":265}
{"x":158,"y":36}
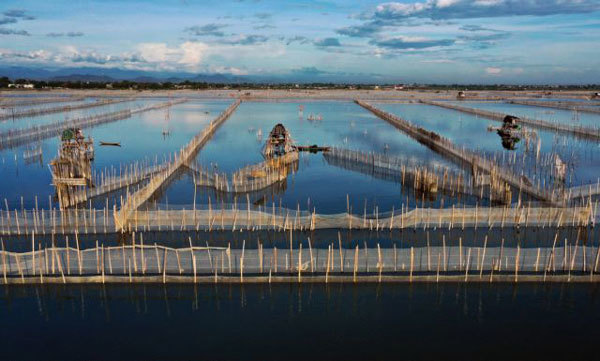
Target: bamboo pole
{"x":242,"y":262}
{"x":341,"y":255}
{"x":312,"y":270}
{"x":300,"y":263}
{"x":412,"y":261}
{"x":4,"y":262}
{"x":355,"y":262}
{"x":517,"y":263}
{"x":467,"y":265}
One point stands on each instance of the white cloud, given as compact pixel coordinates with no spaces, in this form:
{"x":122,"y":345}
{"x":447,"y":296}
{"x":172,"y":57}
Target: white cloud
{"x":488,"y":2}
{"x":33,"y":55}
{"x":463,"y":9}
{"x":493,"y":70}
{"x":437,"y":61}
{"x":155,"y":52}
{"x":192,"y":53}
{"x":188,"y":54}
{"x":227,"y":69}
{"x":445,"y":3}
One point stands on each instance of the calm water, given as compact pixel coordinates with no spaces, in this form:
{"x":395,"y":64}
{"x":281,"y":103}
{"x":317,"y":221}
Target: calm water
{"x":42,"y":119}
{"x":262,"y":322}
{"x":315,"y":183}
{"x":584,"y":102}
{"x":582,"y":157}
{"x":525,"y":237}
{"x":547,"y":114}
{"x":10,"y":108}
{"x":140,"y":137}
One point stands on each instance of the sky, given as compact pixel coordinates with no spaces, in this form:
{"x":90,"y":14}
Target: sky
{"x":424,"y":41}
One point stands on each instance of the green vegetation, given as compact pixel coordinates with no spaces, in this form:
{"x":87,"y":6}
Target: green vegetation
{"x":126,"y":84}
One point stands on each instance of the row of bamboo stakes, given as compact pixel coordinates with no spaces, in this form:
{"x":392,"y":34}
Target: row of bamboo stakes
{"x":577,"y":130}
{"x":134,"y":201}
{"x":252,"y":178}
{"x":137,"y":261}
{"x":113,"y":179}
{"x":574,"y":106}
{"x":4,"y":103}
{"x":462,"y":155}
{"x":424,"y":178}
{"x":17,"y":137}
{"x":541,"y":171}
{"x":108,"y":180}
{"x":67,"y":108}
{"x":236,"y":218}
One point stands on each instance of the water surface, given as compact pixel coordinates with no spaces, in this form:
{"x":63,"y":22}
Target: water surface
{"x":299,"y":322}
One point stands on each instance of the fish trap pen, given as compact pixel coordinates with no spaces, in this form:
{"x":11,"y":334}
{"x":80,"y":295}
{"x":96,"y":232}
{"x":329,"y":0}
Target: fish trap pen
{"x":66,"y":108}
{"x":237,"y":217}
{"x":16,"y":137}
{"x":577,"y":130}
{"x":139,"y":262}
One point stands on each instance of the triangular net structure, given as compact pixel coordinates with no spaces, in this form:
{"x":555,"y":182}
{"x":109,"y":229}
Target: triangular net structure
{"x":279,"y":142}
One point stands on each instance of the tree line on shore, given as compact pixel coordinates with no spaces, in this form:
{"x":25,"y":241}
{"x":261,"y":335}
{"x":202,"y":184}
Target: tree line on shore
{"x":5,"y":82}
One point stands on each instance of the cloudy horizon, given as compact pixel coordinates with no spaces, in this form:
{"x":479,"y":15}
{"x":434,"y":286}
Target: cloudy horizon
{"x":426,"y":41}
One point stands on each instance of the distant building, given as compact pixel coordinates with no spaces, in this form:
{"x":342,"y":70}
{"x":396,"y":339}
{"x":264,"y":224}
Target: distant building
{"x":21,"y":86}
{"x":399,"y":87}
{"x":109,"y":86}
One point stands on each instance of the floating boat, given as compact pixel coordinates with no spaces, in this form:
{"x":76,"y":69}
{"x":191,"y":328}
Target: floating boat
{"x":114,"y":144}
{"x":311,"y":148}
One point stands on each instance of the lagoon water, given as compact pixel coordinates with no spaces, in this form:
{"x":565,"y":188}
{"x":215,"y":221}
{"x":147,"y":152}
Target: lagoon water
{"x":300,"y":322}
{"x":307,"y":321}
{"x":535,"y":112}
{"x":37,"y":120}
{"x":140,"y":136}
{"x":315,"y":184}
{"x":472,"y":132}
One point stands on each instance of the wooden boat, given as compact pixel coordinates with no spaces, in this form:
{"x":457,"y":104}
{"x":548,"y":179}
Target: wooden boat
{"x":114,"y":144}
{"x":311,"y":148}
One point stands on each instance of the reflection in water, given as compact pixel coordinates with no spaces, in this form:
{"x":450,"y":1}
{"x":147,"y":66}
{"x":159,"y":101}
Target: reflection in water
{"x":509,"y":139}
{"x":274,"y":321}
{"x":509,"y":132}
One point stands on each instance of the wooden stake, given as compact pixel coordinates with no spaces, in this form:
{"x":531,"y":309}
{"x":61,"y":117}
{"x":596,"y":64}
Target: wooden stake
{"x":355,"y":262}
{"x":517,"y":263}
{"x":312,"y":270}
{"x":412,"y":261}
{"x":467,"y":265}
{"x":341,"y":255}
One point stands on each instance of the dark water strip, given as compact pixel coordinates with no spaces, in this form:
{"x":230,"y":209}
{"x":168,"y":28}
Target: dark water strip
{"x":262,"y":322}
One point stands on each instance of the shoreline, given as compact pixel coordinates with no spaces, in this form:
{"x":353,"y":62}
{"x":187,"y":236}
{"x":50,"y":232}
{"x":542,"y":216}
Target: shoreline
{"x":303,"y":94}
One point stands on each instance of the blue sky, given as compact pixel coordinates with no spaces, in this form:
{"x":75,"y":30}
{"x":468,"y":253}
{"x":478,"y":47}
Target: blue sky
{"x":445,"y":41}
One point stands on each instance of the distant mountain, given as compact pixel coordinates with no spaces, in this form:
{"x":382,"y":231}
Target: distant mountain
{"x":93,"y":74}
{"x":83,"y":77}
{"x":113,"y":74}
{"x":218,"y":78}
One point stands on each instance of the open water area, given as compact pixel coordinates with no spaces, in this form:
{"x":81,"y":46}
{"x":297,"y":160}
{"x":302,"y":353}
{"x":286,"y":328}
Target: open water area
{"x":299,"y":322}
{"x":314,"y":184}
{"x":472,"y":132}
{"x":419,"y":321}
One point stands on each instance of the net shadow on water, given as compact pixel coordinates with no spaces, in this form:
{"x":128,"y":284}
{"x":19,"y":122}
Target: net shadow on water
{"x":526,"y":237}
